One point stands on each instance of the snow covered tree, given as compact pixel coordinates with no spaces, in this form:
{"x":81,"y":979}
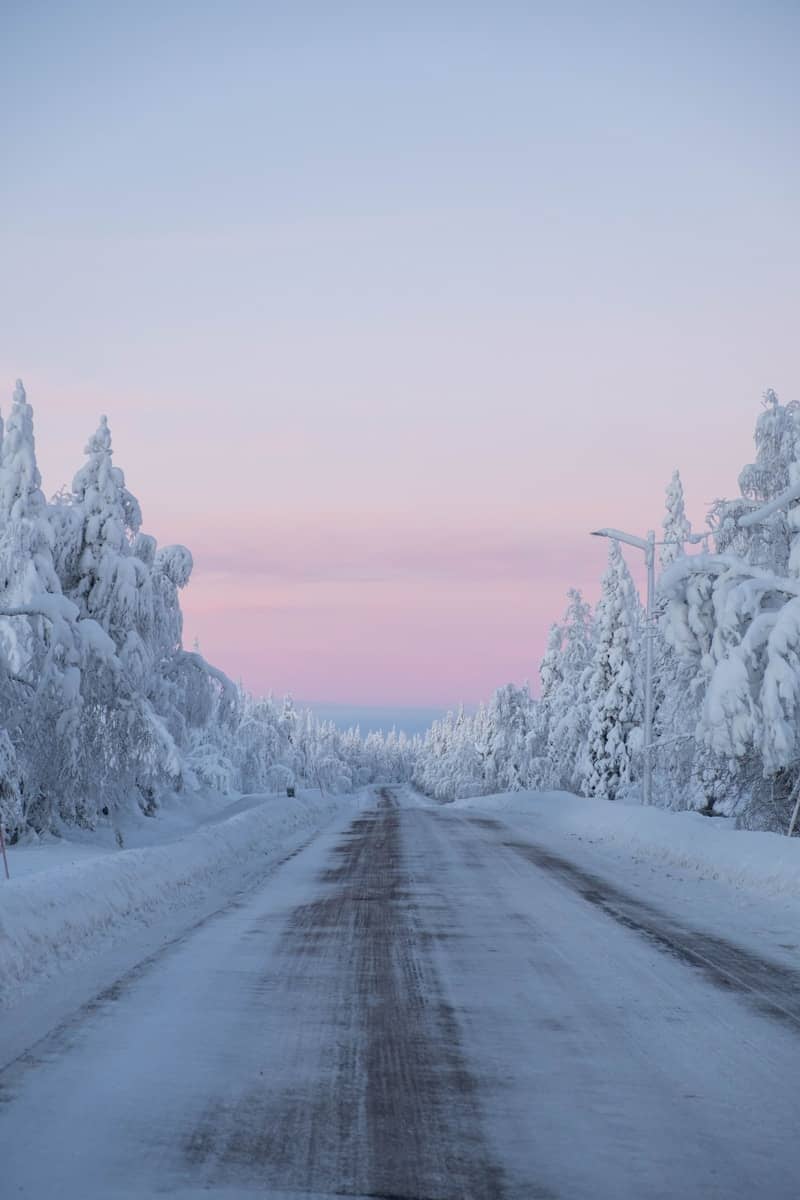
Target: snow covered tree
{"x":676,"y":526}
{"x":740,"y":627}
{"x":40,"y":644}
{"x":107,"y":569}
{"x":12,"y":808}
{"x":568,"y":697}
{"x":510,"y":719}
{"x":27,"y":572}
{"x":471,"y":755}
{"x":614,"y":691}
{"x":732,"y":620}
{"x":550,"y":668}
{"x":107,"y":578}
{"x":259,"y":743}
{"x":777,"y":440}
{"x":454,"y":759}
{"x":675,"y":689}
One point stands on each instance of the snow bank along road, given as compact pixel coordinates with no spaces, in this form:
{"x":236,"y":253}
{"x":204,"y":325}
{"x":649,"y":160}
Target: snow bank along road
{"x":419,"y":1005}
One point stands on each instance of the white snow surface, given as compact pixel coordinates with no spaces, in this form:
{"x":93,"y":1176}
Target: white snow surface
{"x":741,"y":885}
{"x":303,"y":1043}
{"x":708,"y":848}
{"x":70,"y":899}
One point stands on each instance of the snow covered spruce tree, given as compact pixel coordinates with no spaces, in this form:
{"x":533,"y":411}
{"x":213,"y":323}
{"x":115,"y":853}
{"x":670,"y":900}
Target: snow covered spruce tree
{"x":766,"y":544}
{"x":540,"y":769}
{"x":507,"y":765}
{"x":614,"y":692}
{"x":675,"y":684}
{"x":107,"y":570}
{"x":41,"y":648}
{"x":739,"y":627}
{"x":26,"y":574}
{"x":734,"y":617}
{"x":676,"y":526}
{"x":565,"y":694}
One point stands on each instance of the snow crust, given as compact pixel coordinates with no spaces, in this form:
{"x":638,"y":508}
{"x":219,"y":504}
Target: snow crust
{"x":54,"y":914}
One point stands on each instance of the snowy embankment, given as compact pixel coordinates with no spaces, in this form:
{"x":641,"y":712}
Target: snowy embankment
{"x":55,"y":916}
{"x":704,"y":848}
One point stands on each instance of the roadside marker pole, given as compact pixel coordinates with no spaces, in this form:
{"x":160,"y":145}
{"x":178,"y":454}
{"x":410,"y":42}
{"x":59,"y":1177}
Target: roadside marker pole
{"x":795,"y":792}
{"x":3,"y":848}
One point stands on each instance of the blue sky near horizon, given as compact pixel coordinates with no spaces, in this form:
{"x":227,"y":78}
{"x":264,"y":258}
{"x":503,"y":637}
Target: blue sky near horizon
{"x":375,"y":718}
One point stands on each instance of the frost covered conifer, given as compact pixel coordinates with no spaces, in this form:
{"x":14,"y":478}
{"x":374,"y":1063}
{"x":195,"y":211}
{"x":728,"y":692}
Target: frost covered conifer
{"x":675,"y":689}
{"x":739,"y":626}
{"x":675,"y":524}
{"x":733,"y":618}
{"x":26,"y":537}
{"x":777,"y":441}
{"x":614,"y":694}
{"x":12,"y":809}
{"x":454,"y":759}
{"x":108,"y":576}
{"x":40,"y":645}
{"x":550,"y":668}
{"x":510,"y":719}
{"x":568,"y":698}
{"x":539,"y":772}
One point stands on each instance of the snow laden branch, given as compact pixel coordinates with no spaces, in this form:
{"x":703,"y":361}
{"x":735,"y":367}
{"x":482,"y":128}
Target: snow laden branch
{"x":740,"y":626}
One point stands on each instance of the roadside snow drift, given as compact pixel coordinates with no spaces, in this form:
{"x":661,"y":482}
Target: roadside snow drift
{"x":709,"y":848}
{"x":52,"y":918}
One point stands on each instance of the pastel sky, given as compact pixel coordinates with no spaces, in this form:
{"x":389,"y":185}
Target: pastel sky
{"x":389,"y":304}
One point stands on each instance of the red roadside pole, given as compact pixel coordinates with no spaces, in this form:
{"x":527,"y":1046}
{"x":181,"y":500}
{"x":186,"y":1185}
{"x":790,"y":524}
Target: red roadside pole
{"x":3,"y":848}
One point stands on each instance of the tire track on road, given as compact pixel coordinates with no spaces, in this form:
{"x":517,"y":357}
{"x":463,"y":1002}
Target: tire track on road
{"x":769,"y":987}
{"x":372,"y":1095}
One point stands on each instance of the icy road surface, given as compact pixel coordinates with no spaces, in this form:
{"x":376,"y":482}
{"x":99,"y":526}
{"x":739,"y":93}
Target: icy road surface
{"x":420,"y":1006}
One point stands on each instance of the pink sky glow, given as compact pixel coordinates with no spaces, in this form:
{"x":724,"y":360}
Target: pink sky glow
{"x":390,"y":585}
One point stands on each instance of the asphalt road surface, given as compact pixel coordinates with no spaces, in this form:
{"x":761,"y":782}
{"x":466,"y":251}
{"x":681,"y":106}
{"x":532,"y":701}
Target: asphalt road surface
{"x":420,"y":1006}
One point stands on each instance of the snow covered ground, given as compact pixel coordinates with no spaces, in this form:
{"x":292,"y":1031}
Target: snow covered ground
{"x":428,"y":1000}
{"x":739,"y":883}
{"x":74,"y":899}
{"x":71,"y":900}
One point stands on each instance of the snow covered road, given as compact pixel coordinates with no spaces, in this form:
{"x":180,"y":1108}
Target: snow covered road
{"x":421,"y":1004}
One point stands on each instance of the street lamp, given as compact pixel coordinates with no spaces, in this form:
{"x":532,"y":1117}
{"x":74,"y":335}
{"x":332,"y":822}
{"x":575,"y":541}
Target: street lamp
{"x":648,"y":547}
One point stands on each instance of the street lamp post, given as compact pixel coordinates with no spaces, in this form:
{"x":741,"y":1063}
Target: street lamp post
{"x":648,"y":547}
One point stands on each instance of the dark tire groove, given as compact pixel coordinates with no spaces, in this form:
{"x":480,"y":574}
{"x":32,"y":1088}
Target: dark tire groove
{"x":384,"y":1105}
{"x":771,"y":988}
